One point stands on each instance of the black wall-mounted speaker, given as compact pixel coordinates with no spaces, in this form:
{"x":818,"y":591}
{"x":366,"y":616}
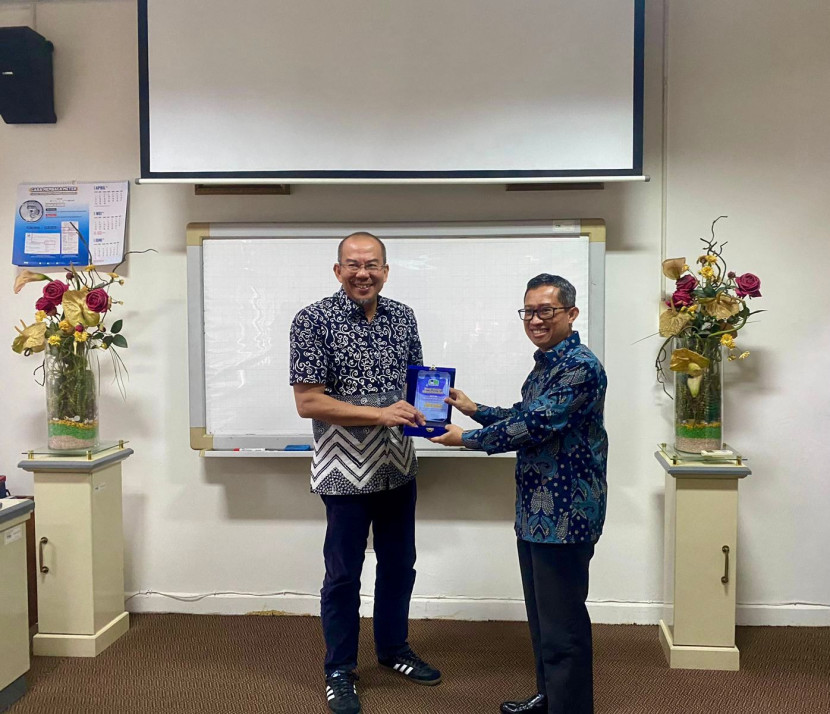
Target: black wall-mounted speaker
{"x":26,"y":85}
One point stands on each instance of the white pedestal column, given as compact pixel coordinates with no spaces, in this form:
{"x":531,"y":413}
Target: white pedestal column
{"x":80,"y":541}
{"x":701,"y":529}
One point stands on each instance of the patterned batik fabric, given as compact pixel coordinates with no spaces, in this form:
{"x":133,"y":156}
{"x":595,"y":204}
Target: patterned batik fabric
{"x":558,"y":433}
{"x":363,"y":363}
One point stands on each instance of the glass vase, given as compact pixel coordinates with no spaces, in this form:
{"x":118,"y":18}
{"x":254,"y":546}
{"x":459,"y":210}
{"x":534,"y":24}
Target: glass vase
{"x":71,"y":399}
{"x":698,"y":400}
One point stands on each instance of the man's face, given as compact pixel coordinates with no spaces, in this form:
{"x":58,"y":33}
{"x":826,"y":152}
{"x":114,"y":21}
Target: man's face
{"x":551,"y":331}
{"x":361,"y":271}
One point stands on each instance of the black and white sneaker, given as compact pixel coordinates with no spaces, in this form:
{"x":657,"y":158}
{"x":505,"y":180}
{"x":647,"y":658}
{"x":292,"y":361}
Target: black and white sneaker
{"x":341,"y":693}
{"x":413,"y":667}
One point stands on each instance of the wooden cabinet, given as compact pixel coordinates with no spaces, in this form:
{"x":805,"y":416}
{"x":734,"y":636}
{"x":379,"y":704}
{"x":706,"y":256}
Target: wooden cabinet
{"x":700,"y":565}
{"x":14,"y":618}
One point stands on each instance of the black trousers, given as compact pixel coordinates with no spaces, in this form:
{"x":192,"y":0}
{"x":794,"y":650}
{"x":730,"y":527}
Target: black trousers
{"x":392,"y":517}
{"x":555,"y":583}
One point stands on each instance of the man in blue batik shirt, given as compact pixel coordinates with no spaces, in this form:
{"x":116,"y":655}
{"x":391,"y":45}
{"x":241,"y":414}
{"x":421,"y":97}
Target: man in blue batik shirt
{"x":349,"y":354}
{"x":558,"y":433}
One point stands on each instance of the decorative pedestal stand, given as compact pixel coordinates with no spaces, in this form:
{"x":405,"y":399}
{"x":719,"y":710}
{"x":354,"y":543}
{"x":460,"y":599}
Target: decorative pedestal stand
{"x":701,"y":526}
{"x":80,"y":591}
{"x":14,"y":601}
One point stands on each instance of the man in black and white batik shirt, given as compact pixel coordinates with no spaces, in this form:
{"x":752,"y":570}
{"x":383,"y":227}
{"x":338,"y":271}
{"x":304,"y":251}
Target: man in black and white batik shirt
{"x":349,"y":355}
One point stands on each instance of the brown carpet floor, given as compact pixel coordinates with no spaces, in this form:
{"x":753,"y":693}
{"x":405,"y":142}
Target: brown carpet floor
{"x":190,"y":664}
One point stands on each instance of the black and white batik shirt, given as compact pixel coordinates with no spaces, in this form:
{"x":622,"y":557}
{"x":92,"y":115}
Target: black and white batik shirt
{"x":363,"y":363}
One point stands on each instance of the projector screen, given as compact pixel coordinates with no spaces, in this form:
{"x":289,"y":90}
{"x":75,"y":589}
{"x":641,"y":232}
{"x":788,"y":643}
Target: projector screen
{"x":373,"y":90}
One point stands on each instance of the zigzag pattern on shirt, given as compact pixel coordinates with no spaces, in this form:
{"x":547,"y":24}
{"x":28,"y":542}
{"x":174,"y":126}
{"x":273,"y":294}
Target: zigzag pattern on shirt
{"x":357,"y":463}
{"x":358,"y":460}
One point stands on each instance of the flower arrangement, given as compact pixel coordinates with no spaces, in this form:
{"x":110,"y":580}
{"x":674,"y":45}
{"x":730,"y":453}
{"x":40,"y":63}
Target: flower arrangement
{"x":71,"y":321}
{"x":704,"y":313}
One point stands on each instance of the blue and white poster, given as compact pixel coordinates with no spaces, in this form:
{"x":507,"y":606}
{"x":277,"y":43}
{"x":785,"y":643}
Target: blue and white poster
{"x":70,"y":224}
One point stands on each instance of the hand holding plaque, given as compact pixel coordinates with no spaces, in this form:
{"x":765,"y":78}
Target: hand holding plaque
{"x":426,"y":390}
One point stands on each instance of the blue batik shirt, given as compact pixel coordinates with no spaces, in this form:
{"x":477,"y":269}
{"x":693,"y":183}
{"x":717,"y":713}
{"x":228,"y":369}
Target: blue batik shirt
{"x":362,"y":363}
{"x":562,"y":449}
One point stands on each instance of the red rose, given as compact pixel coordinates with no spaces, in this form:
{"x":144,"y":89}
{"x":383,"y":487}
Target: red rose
{"x":680,"y":298}
{"x":686,"y":284}
{"x":97,"y":300}
{"x":46,"y":305}
{"x":54,"y":290}
{"x":748,"y":285}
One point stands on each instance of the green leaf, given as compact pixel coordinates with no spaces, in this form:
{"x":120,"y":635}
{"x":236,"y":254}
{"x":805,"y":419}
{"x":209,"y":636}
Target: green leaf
{"x":116,"y":327}
{"x":119,"y":341}
{"x":108,"y":339}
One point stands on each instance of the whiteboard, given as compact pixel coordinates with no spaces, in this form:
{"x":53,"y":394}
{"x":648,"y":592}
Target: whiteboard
{"x":377,"y":90}
{"x":464,"y":282}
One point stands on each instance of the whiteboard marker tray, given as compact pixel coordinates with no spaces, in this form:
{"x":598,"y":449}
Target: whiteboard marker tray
{"x":279,"y":454}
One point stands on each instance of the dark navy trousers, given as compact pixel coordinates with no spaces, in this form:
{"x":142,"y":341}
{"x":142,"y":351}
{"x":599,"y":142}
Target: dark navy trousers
{"x":392,"y":517}
{"x":555,"y":583}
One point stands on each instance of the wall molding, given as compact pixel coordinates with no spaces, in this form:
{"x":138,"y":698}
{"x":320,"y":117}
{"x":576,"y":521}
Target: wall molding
{"x":452,"y":608}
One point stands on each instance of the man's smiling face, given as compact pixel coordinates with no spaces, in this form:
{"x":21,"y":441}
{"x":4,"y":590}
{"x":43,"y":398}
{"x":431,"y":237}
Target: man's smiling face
{"x":545,"y":333}
{"x":361,"y":270}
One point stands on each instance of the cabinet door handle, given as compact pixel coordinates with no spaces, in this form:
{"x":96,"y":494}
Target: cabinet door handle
{"x":725,"y":578}
{"x":43,"y":541}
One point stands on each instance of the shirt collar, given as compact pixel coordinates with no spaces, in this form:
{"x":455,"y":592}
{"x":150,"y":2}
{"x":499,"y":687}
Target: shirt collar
{"x":559,"y":350}
{"x":355,"y":310}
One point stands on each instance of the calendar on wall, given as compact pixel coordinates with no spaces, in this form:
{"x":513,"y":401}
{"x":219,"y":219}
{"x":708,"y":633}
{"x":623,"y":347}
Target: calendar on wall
{"x":71,"y":223}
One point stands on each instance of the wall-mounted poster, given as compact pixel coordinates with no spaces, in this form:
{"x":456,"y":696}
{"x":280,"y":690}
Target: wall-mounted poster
{"x":70,"y":223}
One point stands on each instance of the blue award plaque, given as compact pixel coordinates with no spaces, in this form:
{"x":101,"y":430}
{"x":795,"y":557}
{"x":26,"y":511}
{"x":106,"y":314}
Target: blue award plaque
{"x":426,"y":389}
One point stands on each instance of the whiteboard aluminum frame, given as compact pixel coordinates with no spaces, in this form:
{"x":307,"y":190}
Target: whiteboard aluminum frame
{"x":197,"y":233}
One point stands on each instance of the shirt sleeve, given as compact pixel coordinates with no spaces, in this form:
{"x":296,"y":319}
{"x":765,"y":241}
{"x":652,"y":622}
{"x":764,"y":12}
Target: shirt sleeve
{"x":566,"y":403}
{"x":488,"y":415}
{"x":416,"y":353}
{"x":309,"y":358}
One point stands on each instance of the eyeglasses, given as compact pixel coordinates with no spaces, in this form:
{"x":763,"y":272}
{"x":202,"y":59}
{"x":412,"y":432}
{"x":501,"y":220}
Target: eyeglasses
{"x":354,"y":268}
{"x":546,"y":312}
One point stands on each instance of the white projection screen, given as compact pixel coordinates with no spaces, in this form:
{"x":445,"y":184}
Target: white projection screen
{"x":391,"y":90}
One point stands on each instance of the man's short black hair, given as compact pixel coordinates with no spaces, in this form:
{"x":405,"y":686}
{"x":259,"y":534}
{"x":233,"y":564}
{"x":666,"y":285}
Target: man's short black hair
{"x":366,"y":235}
{"x":565,"y":291}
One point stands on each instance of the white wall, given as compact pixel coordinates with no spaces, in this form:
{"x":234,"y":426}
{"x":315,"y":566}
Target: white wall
{"x":221,"y":535}
{"x":748,"y":137}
